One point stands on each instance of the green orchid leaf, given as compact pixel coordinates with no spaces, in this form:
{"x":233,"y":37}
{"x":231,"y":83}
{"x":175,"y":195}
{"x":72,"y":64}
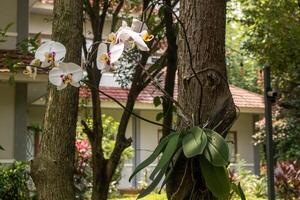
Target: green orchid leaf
{"x":154,"y":183}
{"x":1,"y":148}
{"x":216,"y":178}
{"x":167,"y":155}
{"x":216,"y":150}
{"x":194,"y":142}
{"x":154,"y":155}
{"x":238,"y":190}
{"x":156,"y":101}
{"x":159,"y":116}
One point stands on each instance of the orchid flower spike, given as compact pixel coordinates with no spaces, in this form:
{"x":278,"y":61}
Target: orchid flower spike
{"x":137,"y":32}
{"x":105,"y":57}
{"x":50,"y":53}
{"x":66,"y":73}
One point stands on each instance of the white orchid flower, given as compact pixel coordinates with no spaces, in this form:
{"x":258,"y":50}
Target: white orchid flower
{"x":64,"y":74}
{"x":137,"y":32}
{"x":31,"y":69}
{"x":105,"y":57}
{"x":50,"y":53}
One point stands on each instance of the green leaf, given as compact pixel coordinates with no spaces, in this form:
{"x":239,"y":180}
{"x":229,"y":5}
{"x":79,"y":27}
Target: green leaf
{"x":156,"y":101}
{"x":154,"y":155}
{"x":159,"y":116}
{"x":167,"y":155}
{"x":216,"y":179}
{"x":238,"y":190}
{"x":216,"y":151}
{"x":194,"y":142}
{"x":1,"y":148}
{"x":154,"y":183}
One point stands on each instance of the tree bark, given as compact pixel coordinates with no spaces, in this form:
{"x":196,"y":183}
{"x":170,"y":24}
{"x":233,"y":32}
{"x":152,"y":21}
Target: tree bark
{"x":53,"y":169}
{"x":171,"y":69}
{"x":205,"y":97}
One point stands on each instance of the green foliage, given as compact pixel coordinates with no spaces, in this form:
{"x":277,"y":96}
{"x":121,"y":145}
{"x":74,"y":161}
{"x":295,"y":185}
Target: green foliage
{"x":158,"y":150}
{"x":242,"y":68}
{"x":217,"y":150}
{"x":254,"y":187}
{"x":3,"y":32}
{"x":29,"y":45}
{"x":83,"y":156}
{"x":216,"y":179}
{"x":13,"y":182}
{"x":1,"y":148}
{"x":194,"y":142}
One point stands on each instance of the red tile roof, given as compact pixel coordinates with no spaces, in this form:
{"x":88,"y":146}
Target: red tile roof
{"x":13,"y":55}
{"x":242,"y":98}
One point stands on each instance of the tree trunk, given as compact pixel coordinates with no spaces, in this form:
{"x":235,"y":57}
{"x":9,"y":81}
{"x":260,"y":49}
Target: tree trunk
{"x":53,"y":169}
{"x":205,"y":97}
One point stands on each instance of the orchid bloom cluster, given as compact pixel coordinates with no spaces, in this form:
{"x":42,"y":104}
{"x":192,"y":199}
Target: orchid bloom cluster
{"x":50,"y":55}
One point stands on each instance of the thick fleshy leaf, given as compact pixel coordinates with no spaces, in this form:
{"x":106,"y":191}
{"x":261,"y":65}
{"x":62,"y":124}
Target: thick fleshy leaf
{"x":216,"y":179}
{"x":154,"y":183}
{"x":55,"y":76}
{"x":116,"y":52}
{"x":51,"y":46}
{"x":167,"y":155}
{"x":194,"y":142}
{"x":138,"y":26}
{"x":216,"y":150}
{"x":156,"y":101}
{"x":1,"y":148}
{"x":102,"y":49}
{"x":160,"y":147}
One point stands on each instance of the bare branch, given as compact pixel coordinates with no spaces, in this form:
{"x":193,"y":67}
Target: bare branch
{"x":87,"y":131}
{"x":115,"y":15}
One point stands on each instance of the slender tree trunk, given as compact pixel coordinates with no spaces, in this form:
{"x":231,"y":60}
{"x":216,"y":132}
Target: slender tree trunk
{"x":53,"y":169}
{"x":205,"y":98}
{"x":171,"y":69}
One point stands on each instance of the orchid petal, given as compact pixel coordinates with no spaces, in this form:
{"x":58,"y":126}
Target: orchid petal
{"x":138,"y":26}
{"x":139,"y":42}
{"x":116,"y":52}
{"x":102,"y":49}
{"x":49,"y":46}
{"x":55,"y":76}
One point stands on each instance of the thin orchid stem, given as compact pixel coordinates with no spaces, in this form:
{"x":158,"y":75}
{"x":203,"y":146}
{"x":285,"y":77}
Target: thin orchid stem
{"x":124,"y":107}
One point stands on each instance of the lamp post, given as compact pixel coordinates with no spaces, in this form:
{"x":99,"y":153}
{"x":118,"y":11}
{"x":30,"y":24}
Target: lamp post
{"x":270,"y":97}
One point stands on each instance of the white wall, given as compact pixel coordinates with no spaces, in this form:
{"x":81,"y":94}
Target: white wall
{"x":7,"y":120}
{"x":244,"y":128}
{"x":8,"y":10}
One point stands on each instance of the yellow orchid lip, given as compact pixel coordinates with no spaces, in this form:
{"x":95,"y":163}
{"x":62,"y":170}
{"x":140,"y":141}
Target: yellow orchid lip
{"x":50,"y":56}
{"x":104,"y":58}
{"x":146,"y":37}
{"x":67,"y":78}
{"x":112,"y":38}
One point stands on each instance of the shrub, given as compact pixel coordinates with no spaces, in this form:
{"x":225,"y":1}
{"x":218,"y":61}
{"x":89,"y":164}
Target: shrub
{"x":287,"y":179}
{"x":83,"y":175}
{"x":13,"y":181}
{"x":254,"y":187}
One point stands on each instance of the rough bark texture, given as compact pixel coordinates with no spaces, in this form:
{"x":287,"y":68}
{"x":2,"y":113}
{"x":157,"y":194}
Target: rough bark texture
{"x":53,"y":169}
{"x":208,"y":102}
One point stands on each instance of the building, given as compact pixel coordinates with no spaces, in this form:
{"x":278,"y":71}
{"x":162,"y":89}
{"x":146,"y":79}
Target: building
{"x":22,"y":103}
